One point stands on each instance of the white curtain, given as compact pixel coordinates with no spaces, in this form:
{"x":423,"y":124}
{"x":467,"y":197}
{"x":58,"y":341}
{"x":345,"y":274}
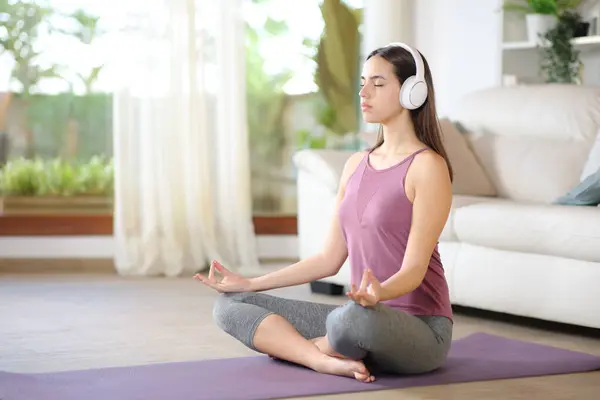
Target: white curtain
{"x":182,"y":177}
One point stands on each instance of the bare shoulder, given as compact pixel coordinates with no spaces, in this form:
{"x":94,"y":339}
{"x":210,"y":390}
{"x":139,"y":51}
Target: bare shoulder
{"x":349,"y":167}
{"x":352,"y":163}
{"x":428,"y":175}
{"x":429,"y":166}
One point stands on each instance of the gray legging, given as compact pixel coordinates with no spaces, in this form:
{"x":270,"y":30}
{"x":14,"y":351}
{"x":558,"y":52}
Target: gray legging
{"x":386,"y":339}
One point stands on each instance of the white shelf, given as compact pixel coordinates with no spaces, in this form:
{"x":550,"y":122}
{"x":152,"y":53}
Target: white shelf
{"x":586,"y":43}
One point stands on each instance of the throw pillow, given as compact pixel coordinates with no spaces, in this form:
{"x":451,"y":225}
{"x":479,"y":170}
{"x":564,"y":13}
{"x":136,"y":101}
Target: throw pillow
{"x":469,"y":176}
{"x":587,"y":193}
{"x":593,"y":161}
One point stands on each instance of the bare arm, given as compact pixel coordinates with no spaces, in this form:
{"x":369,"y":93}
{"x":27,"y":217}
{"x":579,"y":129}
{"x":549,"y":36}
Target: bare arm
{"x":323,"y":264}
{"x":432,"y":188}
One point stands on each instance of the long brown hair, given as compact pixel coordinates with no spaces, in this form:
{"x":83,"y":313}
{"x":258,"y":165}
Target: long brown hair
{"x":424,"y":118}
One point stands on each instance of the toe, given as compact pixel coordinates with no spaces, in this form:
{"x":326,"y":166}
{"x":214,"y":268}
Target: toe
{"x":362,"y":369}
{"x":361,"y":377}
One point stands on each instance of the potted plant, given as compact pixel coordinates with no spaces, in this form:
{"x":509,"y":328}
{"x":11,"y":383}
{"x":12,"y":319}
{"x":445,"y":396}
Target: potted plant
{"x":541,"y":15}
{"x":560,"y":62}
{"x":34,"y":186}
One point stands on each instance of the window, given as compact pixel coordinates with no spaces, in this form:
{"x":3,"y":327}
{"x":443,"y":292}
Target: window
{"x":55,"y":99}
{"x":286,"y":108}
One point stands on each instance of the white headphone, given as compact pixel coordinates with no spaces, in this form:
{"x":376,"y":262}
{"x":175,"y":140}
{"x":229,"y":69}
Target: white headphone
{"x":413,"y":92}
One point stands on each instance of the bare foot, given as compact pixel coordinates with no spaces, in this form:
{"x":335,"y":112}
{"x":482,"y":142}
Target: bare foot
{"x":350,"y":368}
{"x":323,"y":345}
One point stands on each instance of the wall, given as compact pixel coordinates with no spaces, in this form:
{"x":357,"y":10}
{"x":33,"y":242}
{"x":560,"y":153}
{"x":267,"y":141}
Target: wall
{"x":461,"y":40}
{"x":102,"y":247}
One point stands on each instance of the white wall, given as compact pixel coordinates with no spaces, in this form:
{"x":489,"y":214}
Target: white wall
{"x":461,"y":40}
{"x":387,"y":21}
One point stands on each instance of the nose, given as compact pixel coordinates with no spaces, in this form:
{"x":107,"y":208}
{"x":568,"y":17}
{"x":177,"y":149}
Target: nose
{"x":363,"y":91}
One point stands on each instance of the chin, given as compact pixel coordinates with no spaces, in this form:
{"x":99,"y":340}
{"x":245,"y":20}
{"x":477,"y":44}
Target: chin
{"x":370,"y":118}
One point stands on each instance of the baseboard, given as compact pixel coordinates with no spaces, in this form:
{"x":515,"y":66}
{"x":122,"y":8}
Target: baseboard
{"x":95,"y":253}
{"x":277,"y":247}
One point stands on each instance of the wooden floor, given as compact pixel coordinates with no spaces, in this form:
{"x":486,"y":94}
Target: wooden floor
{"x":52,"y":322}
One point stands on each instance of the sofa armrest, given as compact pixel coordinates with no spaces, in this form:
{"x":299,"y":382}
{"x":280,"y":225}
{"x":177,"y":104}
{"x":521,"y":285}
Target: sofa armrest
{"x":324,"y":165}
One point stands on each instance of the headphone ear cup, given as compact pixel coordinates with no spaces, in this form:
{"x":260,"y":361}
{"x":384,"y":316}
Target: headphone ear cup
{"x":413,"y":93}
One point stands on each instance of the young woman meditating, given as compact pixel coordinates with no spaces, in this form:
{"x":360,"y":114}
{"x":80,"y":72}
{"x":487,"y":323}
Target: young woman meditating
{"x":392,"y":205}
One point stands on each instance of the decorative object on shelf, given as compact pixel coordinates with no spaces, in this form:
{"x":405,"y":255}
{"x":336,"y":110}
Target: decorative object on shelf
{"x":35,"y":186}
{"x":560,"y":61}
{"x":591,"y":13}
{"x":541,"y":15}
{"x":581,"y":29}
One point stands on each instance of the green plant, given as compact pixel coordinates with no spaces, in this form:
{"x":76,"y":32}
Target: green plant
{"x":22,"y":23}
{"x":337,"y":73}
{"x":305,"y":140}
{"x":21,"y":177}
{"x":560,"y":60}
{"x":86,"y":30}
{"x":546,"y":7}
{"x":265,"y":96}
{"x":57,"y":177}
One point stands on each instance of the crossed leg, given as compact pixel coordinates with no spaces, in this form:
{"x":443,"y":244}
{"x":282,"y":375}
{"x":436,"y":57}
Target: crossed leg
{"x":331,"y":339}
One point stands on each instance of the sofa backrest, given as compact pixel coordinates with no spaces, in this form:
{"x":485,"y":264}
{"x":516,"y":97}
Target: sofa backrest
{"x":532,"y":141}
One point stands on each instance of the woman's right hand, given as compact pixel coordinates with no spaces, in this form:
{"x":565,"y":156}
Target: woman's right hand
{"x":230,"y":282}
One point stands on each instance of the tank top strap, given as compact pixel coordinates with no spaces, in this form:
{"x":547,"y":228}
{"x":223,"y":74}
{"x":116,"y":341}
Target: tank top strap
{"x":410,"y":158}
{"x":417,"y":152}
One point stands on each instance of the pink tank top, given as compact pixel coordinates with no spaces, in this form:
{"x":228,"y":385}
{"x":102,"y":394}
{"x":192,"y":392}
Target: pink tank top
{"x":375,"y":216}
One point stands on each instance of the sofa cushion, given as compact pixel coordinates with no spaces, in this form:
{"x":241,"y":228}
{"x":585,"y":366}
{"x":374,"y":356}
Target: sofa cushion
{"x":558,"y":230}
{"x":458,"y":201}
{"x":529,"y":169}
{"x":533,"y":141}
{"x":469,"y":176}
{"x":325,"y":165}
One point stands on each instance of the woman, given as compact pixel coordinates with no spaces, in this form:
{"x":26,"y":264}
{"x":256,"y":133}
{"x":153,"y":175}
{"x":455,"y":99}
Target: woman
{"x":392,"y":205}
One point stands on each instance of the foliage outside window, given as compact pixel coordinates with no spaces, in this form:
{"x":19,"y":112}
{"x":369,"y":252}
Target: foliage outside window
{"x":322,"y":115}
{"x":58,"y":143}
{"x":55,"y":128}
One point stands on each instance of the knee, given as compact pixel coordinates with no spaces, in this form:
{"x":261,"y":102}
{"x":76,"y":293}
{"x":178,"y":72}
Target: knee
{"x":225,"y":308}
{"x":350,"y":324}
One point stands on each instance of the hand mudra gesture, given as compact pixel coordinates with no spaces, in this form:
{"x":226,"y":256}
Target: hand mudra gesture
{"x":369,"y":292}
{"x":229,"y":282}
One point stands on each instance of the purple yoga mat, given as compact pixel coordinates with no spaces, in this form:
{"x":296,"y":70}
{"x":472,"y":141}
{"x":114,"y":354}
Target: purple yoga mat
{"x":477,"y":357}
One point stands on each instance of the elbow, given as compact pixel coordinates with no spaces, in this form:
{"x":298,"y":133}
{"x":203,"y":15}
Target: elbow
{"x":332,"y":264}
{"x":416,"y":276}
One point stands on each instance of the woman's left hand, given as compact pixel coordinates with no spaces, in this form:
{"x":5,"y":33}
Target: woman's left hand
{"x":369,"y":292}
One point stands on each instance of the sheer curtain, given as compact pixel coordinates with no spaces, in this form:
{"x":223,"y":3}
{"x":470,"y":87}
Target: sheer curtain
{"x":182,"y":180}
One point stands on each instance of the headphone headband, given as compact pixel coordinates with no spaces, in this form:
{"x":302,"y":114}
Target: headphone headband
{"x":413,"y":91}
{"x":420,"y":72}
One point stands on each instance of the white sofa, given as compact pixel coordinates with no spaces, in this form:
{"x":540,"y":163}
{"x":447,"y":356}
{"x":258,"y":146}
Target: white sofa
{"x":507,"y":247}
